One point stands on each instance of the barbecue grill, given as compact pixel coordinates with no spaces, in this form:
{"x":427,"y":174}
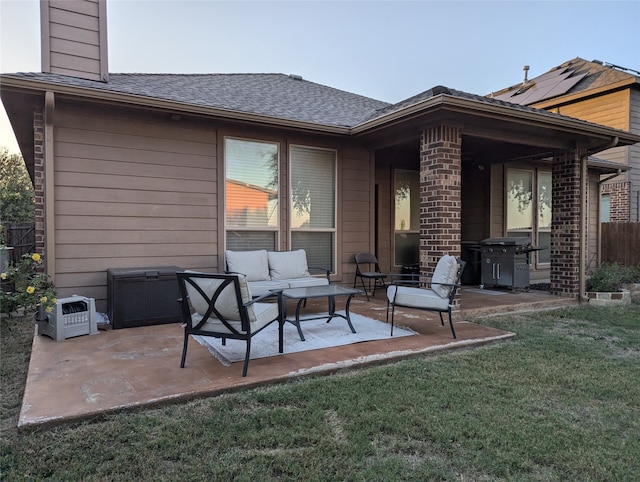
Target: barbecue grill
{"x":505,"y":262}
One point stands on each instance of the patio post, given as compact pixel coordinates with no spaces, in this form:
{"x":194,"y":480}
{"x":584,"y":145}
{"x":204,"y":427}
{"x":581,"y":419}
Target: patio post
{"x":568,"y":223}
{"x":440,"y":195}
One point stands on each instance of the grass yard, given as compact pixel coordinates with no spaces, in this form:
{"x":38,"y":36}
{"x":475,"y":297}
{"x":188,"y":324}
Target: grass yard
{"x":560,"y":403}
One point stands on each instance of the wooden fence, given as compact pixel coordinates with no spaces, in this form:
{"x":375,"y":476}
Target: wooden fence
{"x":20,"y":236}
{"x":621,"y":243}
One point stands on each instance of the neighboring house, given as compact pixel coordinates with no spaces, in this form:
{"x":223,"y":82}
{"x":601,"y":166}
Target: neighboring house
{"x":596,"y":92}
{"x":137,"y":170}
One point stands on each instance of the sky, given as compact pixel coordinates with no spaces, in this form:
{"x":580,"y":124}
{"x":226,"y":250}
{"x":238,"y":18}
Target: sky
{"x":387,"y":50}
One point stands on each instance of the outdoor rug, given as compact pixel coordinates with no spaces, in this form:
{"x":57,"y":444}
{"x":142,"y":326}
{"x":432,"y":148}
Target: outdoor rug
{"x":318,"y":334}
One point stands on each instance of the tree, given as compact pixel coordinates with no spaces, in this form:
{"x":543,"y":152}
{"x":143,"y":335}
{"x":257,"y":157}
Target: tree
{"x":17,"y":201}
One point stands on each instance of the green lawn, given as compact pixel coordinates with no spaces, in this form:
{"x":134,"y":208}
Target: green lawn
{"x":561,"y":402}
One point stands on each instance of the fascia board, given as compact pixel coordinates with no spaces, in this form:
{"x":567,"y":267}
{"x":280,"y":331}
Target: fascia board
{"x":11,"y":83}
{"x":489,"y":110}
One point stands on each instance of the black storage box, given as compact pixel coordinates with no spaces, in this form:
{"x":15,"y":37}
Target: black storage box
{"x":143,"y":296}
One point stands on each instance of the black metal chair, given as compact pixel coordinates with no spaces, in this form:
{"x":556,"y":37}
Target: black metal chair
{"x":365,"y":263}
{"x":424,"y":293}
{"x":220,"y":306}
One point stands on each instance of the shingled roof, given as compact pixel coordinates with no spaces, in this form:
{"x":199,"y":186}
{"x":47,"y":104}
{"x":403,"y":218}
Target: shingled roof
{"x":286,"y":98}
{"x":571,"y":77}
{"x":275,"y":95}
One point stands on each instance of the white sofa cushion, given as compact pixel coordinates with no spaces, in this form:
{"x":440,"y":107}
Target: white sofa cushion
{"x":446,"y":272}
{"x":416,"y":298}
{"x":253,"y":264}
{"x":226,"y":302}
{"x":288,"y":264}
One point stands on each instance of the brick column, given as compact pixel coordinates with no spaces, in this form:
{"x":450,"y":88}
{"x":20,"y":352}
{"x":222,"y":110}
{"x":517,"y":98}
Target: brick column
{"x":38,"y":180}
{"x":440,"y":205}
{"x":565,"y":226}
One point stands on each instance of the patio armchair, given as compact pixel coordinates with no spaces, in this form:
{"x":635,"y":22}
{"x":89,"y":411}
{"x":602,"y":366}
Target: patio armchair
{"x":424,"y":293}
{"x":367,"y":268}
{"x":221,"y":306}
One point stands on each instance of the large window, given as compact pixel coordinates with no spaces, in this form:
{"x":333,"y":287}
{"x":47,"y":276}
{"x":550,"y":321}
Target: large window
{"x":407,"y":218}
{"x":529,"y":208}
{"x":251,"y":195}
{"x":313,"y":204}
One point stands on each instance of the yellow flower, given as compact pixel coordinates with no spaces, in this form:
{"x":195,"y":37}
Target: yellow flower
{"x":48,"y":309}
{"x":43,"y":299}
{"x":30,"y":290}
{"x":3,"y":276}
{"x":35,"y":257}
{"x":53,"y":301}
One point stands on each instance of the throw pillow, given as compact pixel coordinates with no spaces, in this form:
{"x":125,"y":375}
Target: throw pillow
{"x":288,"y":264}
{"x":446,"y":272}
{"x":253,"y":264}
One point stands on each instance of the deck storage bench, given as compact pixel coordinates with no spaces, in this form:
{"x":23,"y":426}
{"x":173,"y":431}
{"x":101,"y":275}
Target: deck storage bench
{"x":143,"y":296}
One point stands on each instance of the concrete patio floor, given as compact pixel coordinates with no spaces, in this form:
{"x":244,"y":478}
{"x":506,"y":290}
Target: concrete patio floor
{"x":90,"y":375}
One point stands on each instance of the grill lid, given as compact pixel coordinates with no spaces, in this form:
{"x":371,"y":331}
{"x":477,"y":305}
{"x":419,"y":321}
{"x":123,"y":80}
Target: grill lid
{"x":521,"y":241}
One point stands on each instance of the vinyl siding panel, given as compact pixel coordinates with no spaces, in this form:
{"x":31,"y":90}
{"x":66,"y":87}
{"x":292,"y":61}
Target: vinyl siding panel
{"x":634,"y":155}
{"x":355,"y":209}
{"x":610,"y":110}
{"x":74,"y":38}
{"x":131,"y":192}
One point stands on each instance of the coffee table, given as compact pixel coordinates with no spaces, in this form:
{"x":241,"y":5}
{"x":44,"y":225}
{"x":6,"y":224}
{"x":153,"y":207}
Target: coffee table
{"x":328,"y":291}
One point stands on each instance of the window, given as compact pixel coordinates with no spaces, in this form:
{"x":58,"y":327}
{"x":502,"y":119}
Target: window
{"x":251,"y":194}
{"x":313,"y":204}
{"x":407,"y":218}
{"x":529,"y":215}
{"x":605,"y":208}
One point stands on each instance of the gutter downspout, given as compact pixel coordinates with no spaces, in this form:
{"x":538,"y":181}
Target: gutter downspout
{"x":49,"y":212}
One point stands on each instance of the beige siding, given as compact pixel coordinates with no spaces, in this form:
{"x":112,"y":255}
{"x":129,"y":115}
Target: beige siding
{"x":634,"y":156}
{"x":593,"y":220}
{"x":74,"y":38}
{"x":496,"y":217}
{"x":355,"y":230}
{"x":131,"y":192}
{"x":610,"y":110}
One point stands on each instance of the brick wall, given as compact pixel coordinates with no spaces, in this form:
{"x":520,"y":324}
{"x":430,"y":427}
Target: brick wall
{"x":565,"y":227}
{"x":440,"y":206}
{"x":619,"y":195}
{"x":38,"y":180}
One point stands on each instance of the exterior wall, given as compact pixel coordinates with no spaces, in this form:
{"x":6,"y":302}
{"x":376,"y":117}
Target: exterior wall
{"x":74,"y":38}
{"x":619,"y":193}
{"x":355,"y":208}
{"x":593,"y":229}
{"x":634,"y":157}
{"x":130,"y":192}
{"x":620,"y":110}
{"x":475,"y":212}
{"x":136,"y":190}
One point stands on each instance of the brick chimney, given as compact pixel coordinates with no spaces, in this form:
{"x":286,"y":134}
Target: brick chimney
{"x":74,"y":38}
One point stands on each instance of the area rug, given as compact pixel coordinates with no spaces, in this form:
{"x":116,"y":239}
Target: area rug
{"x":318,"y":334}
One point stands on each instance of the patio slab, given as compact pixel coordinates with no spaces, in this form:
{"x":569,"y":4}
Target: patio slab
{"x":114,"y":370}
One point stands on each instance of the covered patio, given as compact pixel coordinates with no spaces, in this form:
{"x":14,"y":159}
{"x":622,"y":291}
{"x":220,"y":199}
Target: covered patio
{"x":133,"y":368}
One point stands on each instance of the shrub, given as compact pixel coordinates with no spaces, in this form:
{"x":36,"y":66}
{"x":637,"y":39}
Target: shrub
{"x":26,"y":287}
{"x":607,"y":277}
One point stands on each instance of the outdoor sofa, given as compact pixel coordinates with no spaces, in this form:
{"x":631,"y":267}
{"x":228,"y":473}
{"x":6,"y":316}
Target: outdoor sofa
{"x":273,"y":270}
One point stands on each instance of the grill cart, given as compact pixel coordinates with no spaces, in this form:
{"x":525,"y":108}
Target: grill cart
{"x":505,"y":262}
